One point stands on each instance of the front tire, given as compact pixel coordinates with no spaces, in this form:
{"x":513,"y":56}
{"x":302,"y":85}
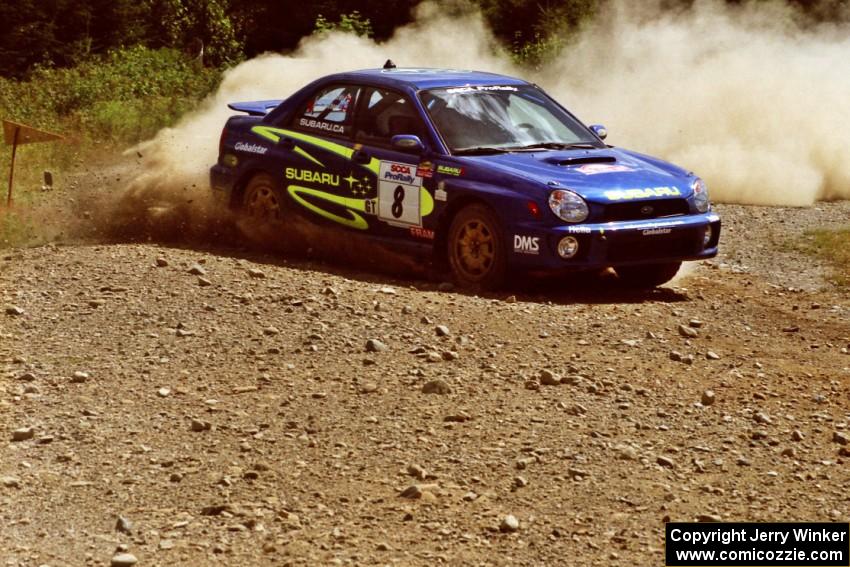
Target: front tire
{"x":647,"y":276}
{"x":476,"y":249}
{"x":262,"y":200}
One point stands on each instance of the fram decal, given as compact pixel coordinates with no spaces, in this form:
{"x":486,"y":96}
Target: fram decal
{"x":322,"y":125}
{"x":441,"y":195}
{"x":450,"y":170}
{"x":594,"y":168}
{"x":417,"y":232}
{"x":250,"y":148}
{"x":526,"y":244}
{"x":312,"y":176}
{"x":629,"y":194}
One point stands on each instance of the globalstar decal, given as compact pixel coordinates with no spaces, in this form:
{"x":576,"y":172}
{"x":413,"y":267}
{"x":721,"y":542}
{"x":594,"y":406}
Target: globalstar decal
{"x":250,"y":148}
{"x":312,"y":176}
{"x":629,"y":194}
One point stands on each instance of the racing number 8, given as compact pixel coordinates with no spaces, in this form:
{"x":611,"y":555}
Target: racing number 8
{"x":398,"y":199}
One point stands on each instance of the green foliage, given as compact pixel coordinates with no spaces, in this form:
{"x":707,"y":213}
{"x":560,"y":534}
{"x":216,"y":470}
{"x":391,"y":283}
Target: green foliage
{"x":348,"y":23}
{"x":832,"y":246}
{"x":124,"y":96}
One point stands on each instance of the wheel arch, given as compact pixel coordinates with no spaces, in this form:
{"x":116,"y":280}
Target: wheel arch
{"x":238,"y":192}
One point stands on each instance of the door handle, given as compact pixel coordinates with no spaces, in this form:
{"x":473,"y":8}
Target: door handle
{"x":361,"y":157}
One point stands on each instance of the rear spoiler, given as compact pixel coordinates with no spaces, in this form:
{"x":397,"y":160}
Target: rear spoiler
{"x":255,"y":108}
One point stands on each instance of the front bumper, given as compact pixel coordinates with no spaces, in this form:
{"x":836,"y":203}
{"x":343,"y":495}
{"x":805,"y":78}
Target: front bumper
{"x":621,"y":243}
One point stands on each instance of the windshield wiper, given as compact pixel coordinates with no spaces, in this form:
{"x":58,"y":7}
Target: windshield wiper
{"x":560,"y":146}
{"x":481,"y":150}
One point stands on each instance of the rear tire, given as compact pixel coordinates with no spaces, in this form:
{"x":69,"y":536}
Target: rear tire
{"x":647,"y":276}
{"x":262,"y":200}
{"x":476,"y":249}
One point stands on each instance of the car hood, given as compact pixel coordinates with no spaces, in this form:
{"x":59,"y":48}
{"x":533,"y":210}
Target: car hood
{"x":599,"y":175}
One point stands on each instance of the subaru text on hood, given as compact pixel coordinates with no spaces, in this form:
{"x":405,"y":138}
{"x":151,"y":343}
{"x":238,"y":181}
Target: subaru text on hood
{"x":485,"y":172}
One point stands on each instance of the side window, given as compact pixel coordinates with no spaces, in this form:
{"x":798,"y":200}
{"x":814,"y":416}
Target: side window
{"x":386,"y":114}
{"x":329,"y":111}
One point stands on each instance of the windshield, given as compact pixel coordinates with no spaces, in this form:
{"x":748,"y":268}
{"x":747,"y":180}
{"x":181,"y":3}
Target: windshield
{"x":490,"y":119}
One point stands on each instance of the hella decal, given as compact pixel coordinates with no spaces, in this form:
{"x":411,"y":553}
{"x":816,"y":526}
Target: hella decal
{"x":250,"y":148}
{"x":312,"y":176}
{"x":578,"y":229}
{"x":526,"y":244}
{"x":629,"y":194}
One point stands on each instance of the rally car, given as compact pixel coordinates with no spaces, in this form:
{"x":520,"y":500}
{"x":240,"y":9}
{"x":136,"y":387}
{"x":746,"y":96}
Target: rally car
{"x":485,"y":172}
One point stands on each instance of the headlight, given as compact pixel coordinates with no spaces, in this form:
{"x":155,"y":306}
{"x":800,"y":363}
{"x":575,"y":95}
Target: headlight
{"x":700,"y":195}
{"x":568,"y":206}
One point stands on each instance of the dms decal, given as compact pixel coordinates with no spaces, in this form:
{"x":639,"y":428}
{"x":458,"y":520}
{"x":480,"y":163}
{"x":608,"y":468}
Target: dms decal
{"x":594,"y":168}
{"x":526,"y":244}
{"x":250,"y":148}
{"x":322,"y":125}
{"x":629,"y":194}
{"x":312,"y":176}
{"x":400,"y":172}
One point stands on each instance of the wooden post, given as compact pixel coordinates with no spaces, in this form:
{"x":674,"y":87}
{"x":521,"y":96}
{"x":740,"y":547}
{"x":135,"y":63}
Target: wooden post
{"x":12,"y":168}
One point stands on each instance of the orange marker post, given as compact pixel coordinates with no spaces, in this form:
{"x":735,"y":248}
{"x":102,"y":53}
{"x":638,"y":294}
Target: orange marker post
{"x":16,"y":134}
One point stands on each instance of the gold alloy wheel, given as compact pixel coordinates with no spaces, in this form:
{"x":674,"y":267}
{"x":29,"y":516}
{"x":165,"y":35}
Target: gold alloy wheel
{"x":475,"y":248}
{"x":262,"y":203}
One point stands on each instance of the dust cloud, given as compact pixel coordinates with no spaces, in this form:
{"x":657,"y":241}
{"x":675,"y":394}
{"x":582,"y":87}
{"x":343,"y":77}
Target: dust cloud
{"x":744,"y":96}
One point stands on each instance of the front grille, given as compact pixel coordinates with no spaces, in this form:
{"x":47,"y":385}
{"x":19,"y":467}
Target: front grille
{"x":637,"y":210}
{"x":636,"y":246}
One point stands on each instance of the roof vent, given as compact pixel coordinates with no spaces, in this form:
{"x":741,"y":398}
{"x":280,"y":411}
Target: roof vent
{"x":389,"y":64}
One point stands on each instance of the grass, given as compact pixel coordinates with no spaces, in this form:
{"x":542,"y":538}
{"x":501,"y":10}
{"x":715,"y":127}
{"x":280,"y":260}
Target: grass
{"x":102,"y":106}
{"x":833,"y":246}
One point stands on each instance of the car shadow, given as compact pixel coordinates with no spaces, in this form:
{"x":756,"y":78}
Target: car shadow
{"x":308,"y":247}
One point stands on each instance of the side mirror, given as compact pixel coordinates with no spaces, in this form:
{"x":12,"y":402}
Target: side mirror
{"x":600,"y":131}
{"x":407,"y":143}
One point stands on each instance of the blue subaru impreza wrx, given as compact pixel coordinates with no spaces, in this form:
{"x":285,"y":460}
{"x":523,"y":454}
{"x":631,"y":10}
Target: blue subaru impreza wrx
{"x":485,"y":172}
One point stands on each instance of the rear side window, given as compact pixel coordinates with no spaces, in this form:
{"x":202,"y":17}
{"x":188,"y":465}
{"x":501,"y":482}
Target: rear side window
{"x":329,"y":111}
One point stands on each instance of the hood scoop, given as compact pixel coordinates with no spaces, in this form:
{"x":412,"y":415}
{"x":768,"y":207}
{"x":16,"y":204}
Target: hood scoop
{"x":580,"y":160}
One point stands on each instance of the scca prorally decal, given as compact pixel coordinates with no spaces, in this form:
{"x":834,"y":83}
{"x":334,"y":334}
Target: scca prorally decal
{"x":250,"y":148}
{"x":312,"y":176}
{"x":400,"y":172}
{"x":629,"y":194}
